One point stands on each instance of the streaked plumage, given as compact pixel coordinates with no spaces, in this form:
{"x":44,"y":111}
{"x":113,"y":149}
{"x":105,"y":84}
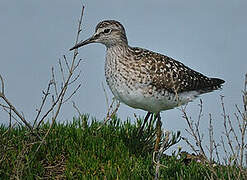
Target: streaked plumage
{"x":144,"y":79}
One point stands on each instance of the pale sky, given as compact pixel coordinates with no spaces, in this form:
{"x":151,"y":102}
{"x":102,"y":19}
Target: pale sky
{"x":208,"y":36}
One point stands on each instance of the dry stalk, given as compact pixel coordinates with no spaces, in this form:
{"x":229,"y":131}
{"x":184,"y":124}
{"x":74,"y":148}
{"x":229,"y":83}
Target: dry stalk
{"x":59,"y":101}
{"x":211,"y":140}
{"x":233,"y":141}
{"x":45,"y":95}
{"x":12,"y":107}
{"x":2,"y":84}
{"x":194,"y":131}
{"x":76,"y":108}
{"x":227,"y":130}
{"x":216,"y":151}
{"x":61,"y":70}
{"x":54,"y":81}
{"x":112,"y":110}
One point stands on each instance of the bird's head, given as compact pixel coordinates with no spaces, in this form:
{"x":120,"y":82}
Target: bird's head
{"x":108,"y":32}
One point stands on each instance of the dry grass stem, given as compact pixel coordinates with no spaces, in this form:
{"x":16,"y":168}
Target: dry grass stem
{"x":76,"y":108}
{"x":233,"y":139}
{"x":112,"y":110}
{"x":22,"y":118}
{"x":45,"y":95}
{"x":54,"y":81}
{"x":60,"y":98}
{"x":2,"y":85}
{"x":72,"y":94}
{"x":194,"y":131}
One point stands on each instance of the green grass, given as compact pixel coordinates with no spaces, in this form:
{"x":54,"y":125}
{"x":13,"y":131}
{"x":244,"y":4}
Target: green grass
{"x":77,"y":150}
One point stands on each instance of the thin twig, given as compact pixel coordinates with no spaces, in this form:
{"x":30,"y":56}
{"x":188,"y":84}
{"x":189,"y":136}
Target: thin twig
{"x":110,"y":112}
{"x":211,"y":139}
{"x":216,"y":151}
{"x":2,"y":82}
{"x":54,"y":81}
{"x":5,"y":106}
{"x":66,"y":62}
{"x":6,"y":109}
{"x":226,"y":153}
{"x":17,"y":113}
{"x":194,"y":132}
{"x":46,"y":93}
{"x":191,"y":146}
{"x":66,"y":100}
{"x":61,"y":69}
{"x":75,"y":79}
{"x":226,"y":133}
{"x":60,"y":98}
{"x":76,"y":108}
{"x":55,"y":102}
{"x":77,"y":64}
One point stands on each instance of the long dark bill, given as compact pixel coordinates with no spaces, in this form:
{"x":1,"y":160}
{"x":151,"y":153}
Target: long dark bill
{"x":83,"y":43}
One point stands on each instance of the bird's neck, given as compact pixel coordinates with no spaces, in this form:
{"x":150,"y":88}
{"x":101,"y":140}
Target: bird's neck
{"x":118,"y":49}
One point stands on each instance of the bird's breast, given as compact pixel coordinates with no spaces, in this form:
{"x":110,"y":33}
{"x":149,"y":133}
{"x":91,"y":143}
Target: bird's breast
{"x":130,"y":83}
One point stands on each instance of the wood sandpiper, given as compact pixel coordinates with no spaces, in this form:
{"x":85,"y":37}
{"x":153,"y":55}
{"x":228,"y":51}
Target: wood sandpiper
{"x":144,"y":79}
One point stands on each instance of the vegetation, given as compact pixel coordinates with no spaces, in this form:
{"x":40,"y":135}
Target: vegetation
{"x":79,"y":150}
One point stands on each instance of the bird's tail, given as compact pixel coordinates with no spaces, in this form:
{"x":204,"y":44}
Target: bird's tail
{"x":215,"y":83}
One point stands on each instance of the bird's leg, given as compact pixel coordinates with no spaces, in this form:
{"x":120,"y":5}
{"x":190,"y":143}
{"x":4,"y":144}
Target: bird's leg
{"x":150,"y":122}
{"x":158,"y":132}
{"x":145,"y":121}
{"x":156,"y":147}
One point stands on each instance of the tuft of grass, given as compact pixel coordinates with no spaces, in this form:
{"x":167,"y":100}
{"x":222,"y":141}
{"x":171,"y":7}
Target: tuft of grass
{"x":77,"y":150}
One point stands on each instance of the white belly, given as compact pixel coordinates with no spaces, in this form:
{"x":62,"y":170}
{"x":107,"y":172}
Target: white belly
{"x":155,"y":102}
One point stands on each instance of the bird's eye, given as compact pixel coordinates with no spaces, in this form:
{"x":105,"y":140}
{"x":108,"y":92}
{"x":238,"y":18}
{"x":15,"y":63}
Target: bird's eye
{"x":107,"y":31}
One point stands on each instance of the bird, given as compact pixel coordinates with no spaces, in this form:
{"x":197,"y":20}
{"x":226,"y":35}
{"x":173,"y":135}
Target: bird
{"x":144,"y":79}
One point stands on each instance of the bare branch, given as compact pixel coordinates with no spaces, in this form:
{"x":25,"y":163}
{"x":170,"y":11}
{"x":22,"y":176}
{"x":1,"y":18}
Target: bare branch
{"x":52,"y":106}
{"x":61,"y":70}
{"x":216,"y":151}
{"x":4,"y":106}
{"x":75,"y":79}
{"x":2,"y":82}
{"x":211,"y":139}
{"x":59,"y":100}
{"x":17,"y":113}
{"x":66,"y":62}
{"x":110,"y":112}
{"x":226,"y":153}
{"x":194,"y":130}
{"x":54,"y":81}
{"x":46,"y":93}
{"x":191,"y":146}
{"x":7,"y":109}
{"x":77,"y":64}
{"x":79,"y":29}
{"x":66,"y":100}
{"x":77,"y":109}
{"x":226,"y":133}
